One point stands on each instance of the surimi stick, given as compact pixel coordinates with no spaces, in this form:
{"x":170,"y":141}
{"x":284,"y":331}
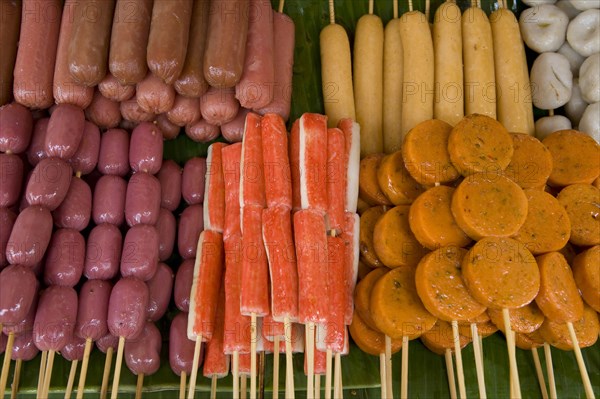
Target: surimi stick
{"x":336,"y":179}
{"x":351,"y":236}
{"x":276,"y":163}
{"x":214,"y":190}
{"x":216,"y":362}
{"x":392,"y":85}
{"x":313,"y":162}
{"x":252,"y":184}
{"x":351,"y":131}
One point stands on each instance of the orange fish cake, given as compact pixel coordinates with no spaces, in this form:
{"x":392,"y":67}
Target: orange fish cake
{"x":531,"y":162}
{"x":395,"y":181}
{"x":368,"y":219}
{"x":523,"y":320}
{"x":586,"y":330}
{"x":368,"y":186}
{"x":369,"y":340}
{"x":575,"y":157}
{"x":581,"y":201}
{"x":362,"y":295}
{"x":586,"y":271}
{"x":440,"y":338}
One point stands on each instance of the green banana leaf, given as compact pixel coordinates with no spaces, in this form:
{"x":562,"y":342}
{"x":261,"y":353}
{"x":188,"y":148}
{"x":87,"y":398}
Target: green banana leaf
{"x":426,"y":370}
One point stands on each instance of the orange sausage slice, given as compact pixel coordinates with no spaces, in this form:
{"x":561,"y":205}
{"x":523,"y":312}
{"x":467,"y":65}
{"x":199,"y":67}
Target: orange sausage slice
{"x":367,"y":224}
{"x":362,"y":296}
{"x":440,"y":338}
{"x":369,"y":340}
{"x":586,"y":330}
{"x":576,"y":158}
{"x":531,"y":163}
{"x":501,"y":273}
{"x":581,"y":203}
{"x":441,"y":288}
{"x":489,"y":205}
{"x":432,"y":222}
{"x":523,"y":320}
{"x":537,"y":234}
{"x":524,"y":341}
{"x":587,"y":276}
{"x":368,"y":186}
{"x":395,"y":181}
{"x":396,"y":308}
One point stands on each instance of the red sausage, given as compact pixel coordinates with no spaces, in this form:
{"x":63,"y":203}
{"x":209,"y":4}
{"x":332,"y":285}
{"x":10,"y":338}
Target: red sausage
{"x":191,"y":224}
{"x":74,"y":349}
{"x":234,"y":130}
{"x":127,"y":308}
{"x":159,"y":289}
{"x":109,"y":200}
{"x":168,"y":129}
{"x":103,"y":112}
{"x":85,"y":159}
{"x":34,"y":68}
{"x":17,"y":125}
{"x":26,"y":324}
{"x":183,"y":285}
{"x":142,"y":201}
{"x":166,"y":226}
{"x":113,"y":158}
{"x":219,"y":106}
{"x":11,"y":178}
{"x":131,"y":111}
{"x":139,"y":257}
{"x":142,"y":355}
{"x":170,"y":185}
{"x":49,"y":183}
{"x":55,"y":318}
{"x":75,"y":210}
{"x":111,"y":88}
{"x":65,"y":131}
{"x":192,"y":180}
{"x":103,"y":252}
{"x":146,"y":148}
{"x":36,"y":150}
{"x":65,"y":258}
{"x":202,"y":131}
{"x":181,"y":349}
{"x":107,"y":341}
{"x":93,"y":309}
{"x":7,"y":220}
{"x":18,"y":287}
{"x":24,"y":348}
{"x":30,"y":236}
{"x":154,"y":95}
{"x":9,"y":32}
{"x":185,"y":111}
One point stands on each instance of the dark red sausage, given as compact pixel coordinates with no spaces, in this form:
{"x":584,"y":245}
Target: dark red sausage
{"x":132,"y":112}
{"x":9,"y":32}
{"x":103,"y":253}
{"x":166,"y":226}
{"x":75,"y":210}
{"x":107,"y":341}
{"x":146,"y":148}
{"x":192,"y":180}
{"x":191,"y":224}
{"x":36,"y":150}
{"x":154,"y":95}
{"x":85,"y":158}
{"x":142,"y":201}
{"x":113,"y":158}
{"x":219,"y":106}
{"x":109,"y":200}
{"x":103,"y":112}
{"x":111,"y":88}
{"x":140,"y":252}
{"x":65,"y":258}
{"x":170,"y":185}
{"x":24,"y":348}
{"x":25,"y":325}
{"x":185,"y":111}
{"x":55,"y":318}
{"x":11,"y":179}
{"x":127,"y":308}
{"x":74,"y":349}
{"x":7,"y":220}
{"x":65,"y":131}
{"x":18,"y":287}
{"x":142,"y":355}
{"x":93,"y":309}
{"x":168,"y":129}
{"x":181,"y":349}
{"x":159,"y":289}
{"x":17,"y":125}
{"x":49,"y":183}
{"x":202,"y":131}
{"x":183,"y":285}
{"x":30,"y":236}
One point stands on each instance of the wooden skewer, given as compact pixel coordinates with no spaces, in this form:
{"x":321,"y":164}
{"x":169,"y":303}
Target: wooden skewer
{"x":84,"y":366}
{"x":427,"y":9}
{"x":42,"y":372}
{"x":328,"y":361}
{"x":280,"y":8}
{"x":213,"y":387}
{"x":276,"y":367}
{"x":289,"y":361}
{"x":139,"y":386}
{"x":539,"y":372}
{"x":388,"y":367}
{"x":450,"y":371}
{"x":261,"y":375}
{"x":182,"y":385}
{"x":404,"y":374}
{"x":48,"y":373}
{"x":410,"y":5}
{"x":371,"y":6}
{"x":243,"y":388}
{"x":195,"y":362}
{"x":514,"y":372}
{"x":395,"y":9}
{"x":331,"y":13}
{"x":382,"y":375}
{"x":550,"y":370}
{"x":478,"y":361}
{"x":71,"y":380}
{"x":459,"y":365}
{"x":253,"y":330}
{"x":236,"y":375}
{"x":338,"y":391}
{"x":317,"y":386}
{"x":117,"y":375}
{"x":6,"y":362}
{"x":310,"y":353}
{"x":587,"y":385}
{"x":106,"y":374}
{"x":16,"y":378}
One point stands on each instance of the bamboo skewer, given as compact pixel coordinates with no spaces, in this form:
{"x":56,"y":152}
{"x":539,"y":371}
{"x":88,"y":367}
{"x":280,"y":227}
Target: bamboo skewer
{"x":48,"y":373}
{"x":310,"y":359}
{"x":328,"y":367}
{"x":117,"y":375}
{"x":6,"y":363}
{"x":243,"y":386}
{"x":16,"y":378}
{"x":71,"y":379}
{"x":276,"y":367}
{"x":317,"y":386}
{"x":84,"y":367}
{"x":539,"y":372}
{"x":382,"y":375}
{"x":587,"y":385}
{"x":236,"y":374}
{"x":404,"y":374}
{"x":459,"y":365}
{"x":388,"y":367}
{"x":253,"y":329}
{"x":514,"y":372}
{"x":139,"y":386}
{"x":289,"y":362}
{"x":339,"y":390}
{"x":213,"y":387}
{"x":261,"y":375}
{"x":450,"y":372}
{"x":42,"y":373}
{"x":106,"y":374}
{"x":550,"y":370}
{"x":196,"y":361}
{"x":478,"y":361}
{"x":182,"y":385}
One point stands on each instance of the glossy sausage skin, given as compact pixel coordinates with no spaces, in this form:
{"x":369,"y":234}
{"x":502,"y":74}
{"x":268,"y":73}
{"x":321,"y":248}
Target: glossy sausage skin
{"x":168,"y":129}
{"x":233,"y":131}
{"x":75,"y":210}
{"x":219,"y":106}
{"x":129,"y":39}
{"x":17,"y":125}
{"x":65,"y":131}
{"x":109,"y":200}
{"x":170,"y":185}
{"x":185,"y":111}
{"x":191,"y":224}
{"x":113,"y":158}
{"x":181,"y":349}
{"x":159,"y":289}
{"x":153,"y":95}
{"x":18,"y":292}
{"x":65,"y":258}
{"x":24,"y":348}
{"x":85,"y":159}
{"x":127,"y":308}
{"x":93,"y":309}
{"x":202,"y":131}
{"x":55,"y":318}
{"x":103,"y":112}
{"x":142,"y":355}
{"x":26,"y":324}
{"x":30,"y":236}
{"x":142,"y":201}
{"x":74,"y":349}
{"x":166,"y":226}
{"x":146,"y":148}
{"x":49,"y":183}
{"x":139,"y":257}
{"x":11,"y":179}
{"x":103,"y":252}
{"x":192,"y":180}
{"x":132,"y":112}
{"x":107,"y":341}
{"x":111,"y":88}
{"x":7,"y":220}
{"x":9,"y":32}
{"x":183,"y":285}
{"x":36,"y":150}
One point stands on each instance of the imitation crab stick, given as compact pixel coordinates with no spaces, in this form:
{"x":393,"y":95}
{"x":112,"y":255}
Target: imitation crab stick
{"x":278,"y":188}
{"x":351,"y":131}
{"x":252,"y":184}
{"x":336,"y":178}
{"x":214,"y":194}
{"x":231,"y":158}
{"x":313,"y":162}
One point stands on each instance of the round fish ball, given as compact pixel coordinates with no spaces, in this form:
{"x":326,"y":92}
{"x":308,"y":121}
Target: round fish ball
{"x":590,"y":121}
{"x":550,"y":124}
{"x":543,"y":27}
{"x":551,"y":81}
{"x":583,"y":32}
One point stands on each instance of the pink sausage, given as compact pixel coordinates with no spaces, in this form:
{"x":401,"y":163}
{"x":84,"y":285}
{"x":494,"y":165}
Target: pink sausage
{"x":127,"y":308}
{"x":146,"y":148}
{"x":168,"y":129}
{"x":86,"y":157}
{"x":103,"y":253}
{"x":185,"y":111}
{"x":183,"y":285}
{"x":170,"y":185}
{"x":24,"y":348}
{"x":65,"y":258}
{"x":142,"y":355}
{"x":30,"y":236}
{"x":107,"y":341}
{"x":103,"y":112}
{"x":131,"y":111}
{"x":140,"y":252}
{"x":154,"y":95}
{"x":202,"y":131}
{"x":191,"y":224}
{"x":234,"y":130}
{"x":11,"y":178}
{"x":192,"y":180}
{"x":18,"y":287}
{"x":109,"y":200}
{"x":111,"y":88}
{"x":49,"y":183}
{"x":26,"y":324}
{"x":142,"y":201}
{"x":36,"y":150}
{"x":219,"y":106}
{"x":166,"y":226}
{"x":159,"y":289}
{"x":55,"y":318}
{"x":17,"y":124}
{"x":7,"y":220}
{"x":65,"y":131}
{"x":113,"y":158}
{"x":75,"y":210}
{"x":93,"y":309}
{"x":74,"y":349}
{"x":181,"y":349}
